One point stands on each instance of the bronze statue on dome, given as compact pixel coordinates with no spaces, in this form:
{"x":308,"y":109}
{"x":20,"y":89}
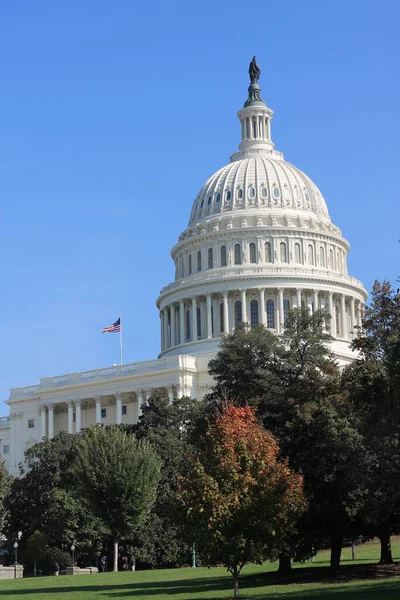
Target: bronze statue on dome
{"x":254,"y":71}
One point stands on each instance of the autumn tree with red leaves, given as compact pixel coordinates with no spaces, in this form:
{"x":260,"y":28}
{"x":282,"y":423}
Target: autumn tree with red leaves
{"x":239,"y":500}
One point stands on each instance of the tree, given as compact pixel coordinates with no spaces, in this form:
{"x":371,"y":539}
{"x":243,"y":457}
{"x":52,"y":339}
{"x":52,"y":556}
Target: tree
{"x":239,"y":500}
{"x":4,"y":486}
{"x":169,"y":427}
{"x":118,"y":475}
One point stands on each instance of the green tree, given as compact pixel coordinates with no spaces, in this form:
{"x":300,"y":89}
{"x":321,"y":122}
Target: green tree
{"x":169,"y":428}
{"x":118,"y":475}
{"x":239,"y":500}
{"x":4,"y":487}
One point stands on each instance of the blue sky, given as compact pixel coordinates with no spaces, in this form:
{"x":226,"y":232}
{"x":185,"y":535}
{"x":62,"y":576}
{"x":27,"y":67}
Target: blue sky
{"x":112,"y":115}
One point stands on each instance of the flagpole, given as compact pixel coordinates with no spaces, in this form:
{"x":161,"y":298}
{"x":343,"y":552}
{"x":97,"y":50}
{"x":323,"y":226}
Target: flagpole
{"x":120,"y":340}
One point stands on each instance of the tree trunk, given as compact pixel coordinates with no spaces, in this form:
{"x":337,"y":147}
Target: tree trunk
{"x":336,"y":551}
{"x":285,"y":564}
{"x":115,"y":555}
{"x":353,"y":550}
{"x":386,"y":548}
{"x":236,"y":585}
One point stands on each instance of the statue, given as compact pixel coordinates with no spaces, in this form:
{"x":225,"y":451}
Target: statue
{"x":254,"y":71}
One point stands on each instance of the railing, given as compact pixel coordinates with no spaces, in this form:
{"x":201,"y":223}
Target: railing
{"x":4,"y":420}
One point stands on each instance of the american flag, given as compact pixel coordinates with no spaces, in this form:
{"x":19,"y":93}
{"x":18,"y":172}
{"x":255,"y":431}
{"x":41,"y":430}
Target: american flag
{"x":114,"y":328}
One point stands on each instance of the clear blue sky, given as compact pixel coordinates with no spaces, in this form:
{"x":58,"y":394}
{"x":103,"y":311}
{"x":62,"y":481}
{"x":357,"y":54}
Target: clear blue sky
{"x":113,"y":114}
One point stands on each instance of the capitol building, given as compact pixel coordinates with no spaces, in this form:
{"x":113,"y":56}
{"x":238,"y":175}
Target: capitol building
{"x":259,"y":242}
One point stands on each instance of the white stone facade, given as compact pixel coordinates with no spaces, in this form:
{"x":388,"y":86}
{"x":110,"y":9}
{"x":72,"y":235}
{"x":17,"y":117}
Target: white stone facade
{"x":259,"y":242}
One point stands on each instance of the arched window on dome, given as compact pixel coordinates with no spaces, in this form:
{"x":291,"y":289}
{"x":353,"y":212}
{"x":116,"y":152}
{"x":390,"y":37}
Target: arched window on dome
{"x":297,"y":254}
{"x":198,"y":321}
{"x":253,"y":254}
{"x":286,"y":308}
{"x":210,"y":258}
{"x":310,"y":251}
{"x":209,"y":200}
{"x":228,"y":195}
{"x":268,"y":252}
{"x":276,"y":192}
{"x":254,"y":313}
{"x":240,"y":193}
{"x":199,"y":265}
{"x":223,"y":256}
{"x":331,"y":265}
{"x":283,"y":252}
{"x":202,"y":203}
{"x":221,"y":317}
{"x":322,"y":257}
{"x":187,"y":338}
{"x":251,"y":192}
{"x":190,"y":264}
{"x":286,"y":193}
{"x":238,"y":312}
{"x":238,"y":254}
{"x":218,"y":198}
{"x":264,"y":192}
{"x":270,"y":306}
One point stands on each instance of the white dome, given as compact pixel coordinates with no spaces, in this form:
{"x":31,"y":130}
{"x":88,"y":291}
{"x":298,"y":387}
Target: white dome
{"x":264,"y":182}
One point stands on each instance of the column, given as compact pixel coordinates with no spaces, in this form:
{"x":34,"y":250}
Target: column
{"x":173,"y":329}
{"x":148,"y":395}
{"x":139,"y":396}
{"x":43,"y":421}
{"x":263,"y":314}
{"x":70,"y":406}
{"x":331,"y":312}
{"x":50,"y":408}
{"x":209,"y":320}
{"x":281,"y":317}
{"x":316,"y":307}
{"x":343,"y":315}
{"x":226,"y":315}
{"x":162,"y":330}
{"x":97,"y":399}
{"x":118,"y":409}
{"x":359,"y":316}
{"x":298,"y":297}
{"x":215,"y":309}
{"x":13,"y":438}
{"x":244,"y":306}
{"x":170,"y":395}
{"x":353,"y":318}
{"x":182,"y":322}
{"x":78,"y":420}
{"x":194,"y":319}
{"x":165,"y":320}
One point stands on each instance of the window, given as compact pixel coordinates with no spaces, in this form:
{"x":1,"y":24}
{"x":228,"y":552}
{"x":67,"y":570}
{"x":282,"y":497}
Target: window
{"x":238,"y":255}
{"x":103,"y":413}
{"x":297,"y":253}
{"x":240,"y":193}
{"x":190,"y":264}
{"x":310,"y":254}
{"x":221,"y":317}
{"x":210,"y":258}
{"x":124,"y":409}
{"x":286,"y":307}
{"x":268,"y":252}
{"x":276,"y":192}
{"x":270,"y":314}
{"x":251,"y":192}
{"x":228,"y":196}
{"x":198,"y":319}
{"x":322,"y":257}
{"x":238,"y":312}
{"x":188,"y":325}
{"x":331,"y":259}
{"x":283,"y":252}
{"x":6,"y":449}
{"x":199,"y":260}
{"x":202,"y":203}
{"x":253,"y":257}
{"x":254,"y":313}
{"x":209,"y":200}
{"x":218,"y":198}
{"x":264,"y":192}
{"x":286,"y":193}
{"x":223,"y":256}
{"x":31,"y":423}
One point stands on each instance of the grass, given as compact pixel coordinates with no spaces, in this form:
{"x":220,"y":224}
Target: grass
{"x":359,"y":580}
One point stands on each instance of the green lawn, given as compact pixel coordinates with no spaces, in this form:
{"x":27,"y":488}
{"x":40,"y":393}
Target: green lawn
{"x":211,"y":584}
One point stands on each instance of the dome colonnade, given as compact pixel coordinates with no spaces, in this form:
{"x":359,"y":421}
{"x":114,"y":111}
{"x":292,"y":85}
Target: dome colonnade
{"x":259,"y":242}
